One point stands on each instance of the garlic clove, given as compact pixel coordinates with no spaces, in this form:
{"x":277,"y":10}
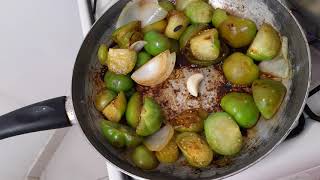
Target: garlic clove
{"x":193,"y":84}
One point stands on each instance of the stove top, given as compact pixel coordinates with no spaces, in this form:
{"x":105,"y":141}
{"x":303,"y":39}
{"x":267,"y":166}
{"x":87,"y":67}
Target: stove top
{"x":97,"y":7}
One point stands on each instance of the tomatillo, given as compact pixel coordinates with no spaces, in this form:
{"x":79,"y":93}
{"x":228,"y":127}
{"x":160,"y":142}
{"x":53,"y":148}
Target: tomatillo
{"x":242,"y":108}
{"x":119,"y":135}
{"x":144,"y":158}
{"x":156,"y":43}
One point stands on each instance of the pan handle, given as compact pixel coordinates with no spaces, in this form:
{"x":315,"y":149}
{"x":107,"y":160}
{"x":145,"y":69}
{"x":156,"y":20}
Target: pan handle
{"x":45,"y":115}
{"x":307,"y":109}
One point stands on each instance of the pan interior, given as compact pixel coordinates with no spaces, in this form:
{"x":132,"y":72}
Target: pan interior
{"x":258,"y":141}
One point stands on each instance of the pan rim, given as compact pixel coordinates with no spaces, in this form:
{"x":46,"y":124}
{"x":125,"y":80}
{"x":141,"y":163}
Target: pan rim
{"x":93,"y":142}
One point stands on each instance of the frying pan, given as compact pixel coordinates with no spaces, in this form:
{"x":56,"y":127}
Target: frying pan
{"x":309,"y":10}
{"x":86,"y":82}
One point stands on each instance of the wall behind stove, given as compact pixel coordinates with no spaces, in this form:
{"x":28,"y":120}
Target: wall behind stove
{"x":39,"y":40}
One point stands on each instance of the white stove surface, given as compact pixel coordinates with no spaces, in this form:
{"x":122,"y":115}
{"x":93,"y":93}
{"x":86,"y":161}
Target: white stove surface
{"x":298,"y":158}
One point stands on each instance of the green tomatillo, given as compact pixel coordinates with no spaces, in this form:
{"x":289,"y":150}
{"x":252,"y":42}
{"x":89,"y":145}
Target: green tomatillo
{"x":242,"y":108}
{"x":104,"y":98}
{"x":144,"y":158}
{"x":199,"y":12}
{"x":151,"y":117}
{"x":134,"y":109}
{"x":195,"y":149}
{"x":268,"y":95}
{"x":266,"y":44}
{"x":240,"y":69}
{"x":127,"y":34}
{"x":237,"y":32}
{"x":156,"y":43}
{"x":223,"y":134}
{"x":118,"y":82}
{"x":190,"y":32}
{"x":143,"y":58}
{"x":119,"y":135}
{"x":116,"y":108}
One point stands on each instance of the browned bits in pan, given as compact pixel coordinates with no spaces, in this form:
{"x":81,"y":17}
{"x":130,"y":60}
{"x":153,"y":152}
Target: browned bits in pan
{"x":174,"y":98}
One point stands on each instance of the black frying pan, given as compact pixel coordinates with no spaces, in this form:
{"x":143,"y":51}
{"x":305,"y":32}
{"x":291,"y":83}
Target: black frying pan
{"x":86,"y":82}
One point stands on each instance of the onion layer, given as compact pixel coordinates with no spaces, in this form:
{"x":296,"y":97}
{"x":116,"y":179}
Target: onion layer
{"x":160,"y":139}
{"x":146,"y":11}
{"x":155,"y":71}
{"x":138,"y":46}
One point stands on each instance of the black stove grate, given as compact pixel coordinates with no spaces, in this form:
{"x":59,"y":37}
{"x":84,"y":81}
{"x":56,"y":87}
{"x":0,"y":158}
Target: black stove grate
{"x":298,"y":129}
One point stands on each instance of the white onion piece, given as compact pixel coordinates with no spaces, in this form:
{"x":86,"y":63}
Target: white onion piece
{"x":155,"y":71}
{"x":284,"y":47}
{"x":146,"y":11}
{"x":170,"y":65}
{"x":128,"y":14}
{"x":160,"y":139}
{"x":138,"y":46}
{"x":279,"y":66}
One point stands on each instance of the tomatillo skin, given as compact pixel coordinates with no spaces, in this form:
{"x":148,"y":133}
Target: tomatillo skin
{"x":127,"y":34}
{"x":199,"y":12}
{"x":223,"y":134}
{"x":206,"y":45}
{"x":159,"y":26}
{"x":190,"y":120}
{"x":242,"y":108}
{"x":195,"y":149}
{"x":118,"y":82}
{"x":177,"y":24}
{"x":240,"y":69}
{"x":169,"y":154}
{"x":237,"y":32}
{"x":119,"y":135}
{"x":103,"y":54}
{"x":104,"y":98}
{"x":266,"y":45}
{"x":156,"y":43}
{"x":134,"y":109}
{"x":116,"y":108}
{"x":190,"y":32}
{"x":144,"y":158}
{"x":268,"y":95}
{"x":143,"y":58}
{"x":167,"y":5}
{"x":151,"y":117}
{"x":219,"y":15}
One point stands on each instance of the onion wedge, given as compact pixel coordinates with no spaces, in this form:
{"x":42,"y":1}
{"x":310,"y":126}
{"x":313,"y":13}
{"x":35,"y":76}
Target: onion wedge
{"x":279,"y":66}
{"x":156,"y":71}
{"x":146,"y":11}
{"x":160,"y":139}
{"x":138,"y":46}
